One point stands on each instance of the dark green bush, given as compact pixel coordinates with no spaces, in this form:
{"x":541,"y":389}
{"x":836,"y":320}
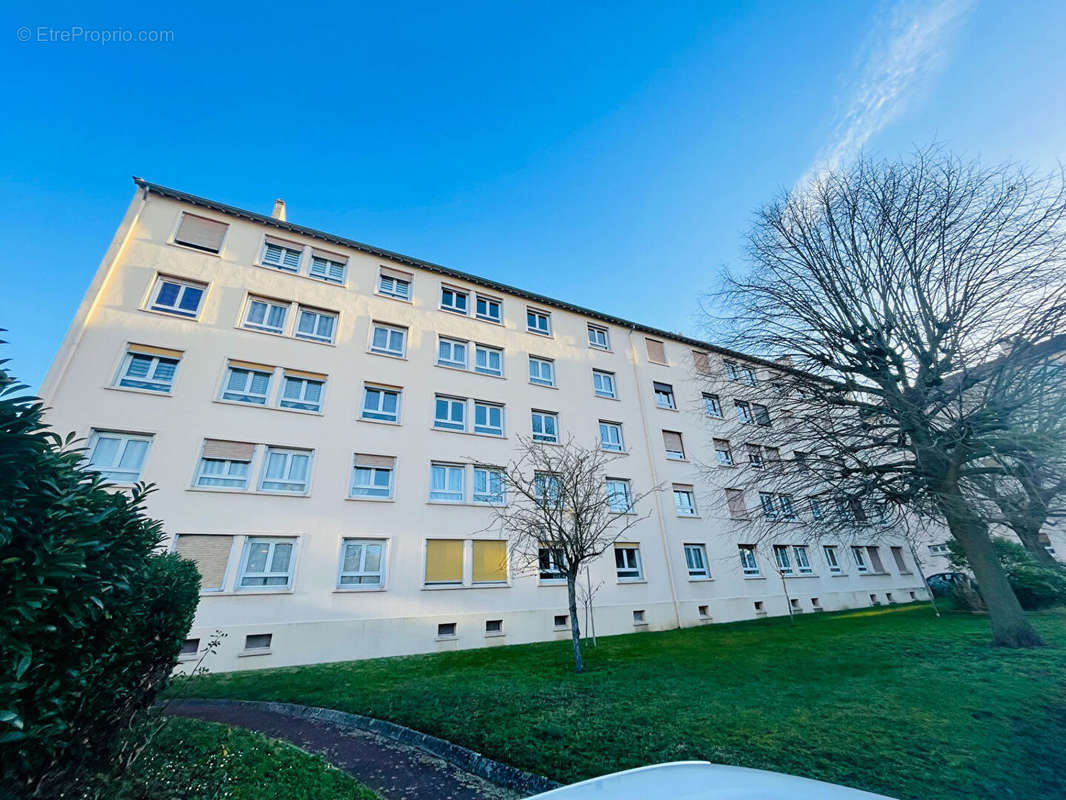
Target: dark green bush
{"x":1036,"y":586}
{"x":93,"y":615}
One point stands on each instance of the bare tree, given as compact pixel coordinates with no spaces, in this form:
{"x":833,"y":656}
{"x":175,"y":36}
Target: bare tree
{"x":892,"y":288}
{"x":560,"y":513}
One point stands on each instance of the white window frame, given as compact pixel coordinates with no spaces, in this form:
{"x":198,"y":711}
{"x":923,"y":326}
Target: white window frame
{"x":183,"y":287}
{"x":282,"y":264}
{"x":486,"y":428}
{"x":603,"y":384}
{"x":487,"y":498}
{"x":455,"y":293}
{"x":675,"y":455}
{"x":112,"y":472}
{"x":328,"y":274}
{"x":317,"y":314}
{"x":154,"y":385}
{"x":803,"y":559}
{"x":372,"y":488}
{"x":552,"y":569}
{"x":449,"y":470}
{"x":749,"y":562}
{"x":480,"y":349}
{"x":685,"y":510}
{"x":769,"y":505}
{"x":632,"y":564}
{"x":362,"y":572}
{"x":391,"y":289}
{"x":290,"y":454}
{"x":663,"y":399}
{"x":607,"y":441}
{"x":273,"y":542}
{"x":448,"y":422}
{"x":697,"y":573}
{"x":389,"y":331}
{"x":298,"y":403}
{"x":743,"y":409}
{"x":246,"y":391}
{"x":724,"y":456}
{"x":263,"y":327}
{"x":379,"y":414}
{"x":782,"y":559}
{"x":451,"y":345}
{"x":786,"y":507}
{"x":534,"y":315}
{"x":832,"y":560}
{"x":858,"y":555}
{"x":626,"y":492}
{"x":489,"y":302}
{"x":712,"y":405}
{"x":544,"y":437}
{"x":604,"y":334}
{"x":541,"y":363}
{"x":240,"y":479}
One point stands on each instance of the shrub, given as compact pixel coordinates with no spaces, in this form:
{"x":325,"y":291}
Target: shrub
{"x":93,"y":616}
{"x":1036,"y":586}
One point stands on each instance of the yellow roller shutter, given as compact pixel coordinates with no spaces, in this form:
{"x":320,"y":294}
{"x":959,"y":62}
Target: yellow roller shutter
{"x":444,"y":561}
{"x":490,"y":562}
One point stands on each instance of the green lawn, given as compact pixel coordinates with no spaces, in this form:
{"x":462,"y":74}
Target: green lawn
{"x":195,"y":760}
{"x":890,"y":700}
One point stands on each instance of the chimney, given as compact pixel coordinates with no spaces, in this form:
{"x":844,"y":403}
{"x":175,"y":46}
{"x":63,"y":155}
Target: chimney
{"x":279,"y":210}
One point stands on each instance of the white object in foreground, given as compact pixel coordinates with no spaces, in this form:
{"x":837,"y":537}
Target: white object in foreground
{"x":701,"y":780}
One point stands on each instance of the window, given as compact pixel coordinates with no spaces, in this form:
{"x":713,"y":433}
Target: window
{"x":179,"y":297}
{"x":761,"y":414}
{"x":627,"y":562}
{"x":769,"y":507}
{"x":712,"y":405}
{"x":265,"y":315}
{"x":545,"y":426}
{"x":318,"y":326}
{"x":550,"y":561}
{"x":611,"y":437}
{"x":541,"y":371}
{"x":387,"y":340}
{"x":656,"y":352}
{"x":859,"y":554}
{"x":488,"y":309}
{"x":211,"y":556}
{"x":561,"y":621}
{"x":381,"y":403}
{"x":224,"y":464}
{"x":189,"y":648}
{"x":247,"y":384}
{"x":696,"y":560}
{"x":747,"y":375}
{"x":830,"y":553}
{"x":738,"y":373}
{"x":598,"y":337}
{"x":638,"y":617}
{"x":784,"y":503}
{"x":488,"y":360}
{"x":149,"y":368}
{"x":684,"y":501}
{"x":444,"y":562}
{"x":818,"y":508}
{"x":372,"y":476}
{"x":488,"y":486}
{"x":286,"y":471}
{"x":393,"y":283}
{"x":267,"y":562}
{"x":490,"y":561}
{"x":494,"y":627}
{"x":449,"y":413}
{"x":664,"y":395}
{"x":603,"y":384}
{"x":723,"y":452}
{"x":200,"y":232}
{"x":258,"y":641}
{"x":328,"y":267}
{"x":731,"y":370}
{"x":619,"y":496}
{"x":301,"y":392}
{"x":743,"y":408}
{"x":772,"y":453}
{"x":538,"y":322}
{"x":451,"y":353}
{"x":446,"y":630}
{"x":901,"y":565}
{"x":546,"y":488}
{"x":738,"y":508}
{"x":784,"y":565}
{"x":748,"y":563}
{"x":803,"y":562}
{"x":754,"y":455}
{"x":454,"y":300}
{"x":488,"y":418}
{"x":446,"y":483}
{"x":362,"y":563}
{"x":675,"y":448}
{"x":118,"y":457}
{"x":701,"y":362}
{"x":800,"y":459}
{"x":283,"y":255}
{"x":875,"y":559}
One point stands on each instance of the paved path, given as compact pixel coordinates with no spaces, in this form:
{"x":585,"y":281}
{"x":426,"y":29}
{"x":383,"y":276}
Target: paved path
{"x":395,"y":771}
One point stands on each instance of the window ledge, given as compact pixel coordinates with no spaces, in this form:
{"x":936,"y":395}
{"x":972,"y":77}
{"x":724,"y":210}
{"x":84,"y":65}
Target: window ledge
{"x":189,"y":657}
{"x":688,"y":516}
{"x":640,"y":624}
{"x":754,"y":577}
{"x":615,"y":452}
{"x":495,"y":635}
{"x":469,"y":371}
{"x":446,"y":586}
{"x":371,"y":499}
{"x":357,"y":590}
{"x":220,"y":401}
{"x":549,"y":582}
{"x":464,"y":504}
{"x":407,"y":300}
{"x":604,"y":397}
{"x":872,"y":574}
{"x":838,"y":574}
{"x":541,"y":334}
{"x":469,"y":433}
{"x":632,"y":580}
{"x":132,"y":390}
{"x":171,"y":314}
{"x":543,"y":385}
{"x":664,"y":408}
{"x":699,"y":580}
{"x":377,"y":421}
{"x":802,"y":575}
{"x":250,"y":492}
{"x":386,"y":355}
{"x":252,"y":591}
{"x":264,"y":651}
{"x":304,"y":275}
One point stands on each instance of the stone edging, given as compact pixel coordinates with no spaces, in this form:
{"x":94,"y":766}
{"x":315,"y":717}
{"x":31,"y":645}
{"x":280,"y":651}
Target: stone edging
{"x":463,"y":757}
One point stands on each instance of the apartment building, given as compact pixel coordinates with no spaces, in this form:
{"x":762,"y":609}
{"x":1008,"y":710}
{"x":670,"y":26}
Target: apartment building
{"x":321,"y":418}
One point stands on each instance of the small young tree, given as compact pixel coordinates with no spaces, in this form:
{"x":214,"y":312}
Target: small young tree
{"x":892,"y":287}
{"x":561,"y":513}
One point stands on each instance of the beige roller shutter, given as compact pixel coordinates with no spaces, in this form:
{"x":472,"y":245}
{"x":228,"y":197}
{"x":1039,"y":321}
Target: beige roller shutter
{"x":299,"y":373}
{"x":368,"y":461}
{"x":228,"y":451}
{"x":148,"y":350}
{"x":201,"y":233}
{"x":656,"y":352}
{"x":337,"y":257}
{"x":210,"y":554}
{"x":672,"y":440}
{"x":737,"y":508}
{"x":389,"y":272}
{"x":702,"y":362}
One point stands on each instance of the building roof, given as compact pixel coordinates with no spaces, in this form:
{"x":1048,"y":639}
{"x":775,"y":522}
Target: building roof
{"x":410,"y":261}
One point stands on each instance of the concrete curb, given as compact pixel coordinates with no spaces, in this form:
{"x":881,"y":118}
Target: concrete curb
{"x":462,"y":757}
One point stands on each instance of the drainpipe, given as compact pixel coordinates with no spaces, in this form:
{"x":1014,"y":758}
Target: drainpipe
{"x":655,"y":479}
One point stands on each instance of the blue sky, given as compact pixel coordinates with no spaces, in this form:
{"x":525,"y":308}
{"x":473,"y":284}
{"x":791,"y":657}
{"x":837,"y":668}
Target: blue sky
{"x":585,"y":151}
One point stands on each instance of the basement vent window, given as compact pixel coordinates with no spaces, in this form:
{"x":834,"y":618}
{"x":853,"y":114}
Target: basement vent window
{"x":638,"y":617}
{"x":258,"y":642}
{"x":189,"y":648}
{"x":760,"y":610}
{"x":874,"y":601}
{"x":493,"y":627}
{"x":446,"y":630}
{"x":704,"y":612}
{"x":795,"y":603}
{"x":816,"y":604}
{"x":913,"y":596}
{"x":888,"y":596}
{"x":562,"y":621}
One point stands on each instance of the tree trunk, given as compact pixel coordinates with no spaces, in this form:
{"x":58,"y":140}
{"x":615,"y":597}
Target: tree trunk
{"x":575,"y":630}
{"x":1030,"y":538}
{"x":1009,"y":626}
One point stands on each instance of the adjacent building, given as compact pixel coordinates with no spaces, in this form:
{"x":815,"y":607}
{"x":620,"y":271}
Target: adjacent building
{"x":321,"y":418}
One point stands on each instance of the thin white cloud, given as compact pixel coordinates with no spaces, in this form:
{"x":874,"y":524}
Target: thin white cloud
{"x":907,"y":46}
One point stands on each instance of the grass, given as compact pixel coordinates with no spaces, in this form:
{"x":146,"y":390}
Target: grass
{"x":195,"y":760}
{"x":889,"y":700}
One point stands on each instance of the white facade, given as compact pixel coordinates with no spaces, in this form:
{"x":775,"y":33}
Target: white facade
{"x":259,"y":357}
